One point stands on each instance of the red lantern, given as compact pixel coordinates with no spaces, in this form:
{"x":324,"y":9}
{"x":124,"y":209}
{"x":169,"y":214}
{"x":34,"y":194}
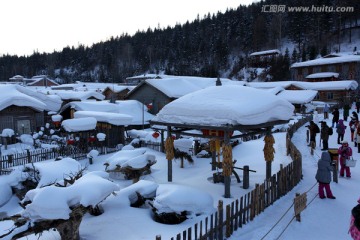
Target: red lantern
{"x":155,"y":135}
{"x":173,"y":137}
{"x":91,"y":139}
{"x":70,"y":141}
{"x":57,"y":124}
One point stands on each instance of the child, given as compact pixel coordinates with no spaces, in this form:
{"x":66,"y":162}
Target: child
{"x":323,"y":175}
{"x":354,"y":229}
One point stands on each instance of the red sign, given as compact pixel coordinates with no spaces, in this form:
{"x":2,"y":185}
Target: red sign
{"x":217,"y":133}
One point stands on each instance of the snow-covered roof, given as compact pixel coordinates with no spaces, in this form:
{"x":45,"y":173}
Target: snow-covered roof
{"x":328,"y":85}
{"x":323,"y":75}
{"x":226,"y":105}
{"x":298,"y":96}
{"x":99,"y":106}
{"x":272,"y":51}
{"x":119,"y":88}
{"x":13,"y":95}
{"x":76,"y":95}
{"x":116,"y":119}
{"x":283,"y":84}
{"x":53,"y":102}
{"x":79,"y":124}
{"x":326,"y":61}
{"x":135,"y":109}
{"x":179,"y":86}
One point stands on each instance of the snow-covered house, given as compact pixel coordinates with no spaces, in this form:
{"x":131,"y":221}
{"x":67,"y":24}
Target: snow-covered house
{"x":159,"y":92}
{"x":19,"y":111}
{"x":347,"y":66}
{"x":108,"y":123}
{"x":138,"y":112}
{"x":322,"y":77}
{"x":116,"y":92}
{"x":135,"y":80}
{"x":39,"y":81}
{"x":262,"y":59}
{"x":328,"y":91}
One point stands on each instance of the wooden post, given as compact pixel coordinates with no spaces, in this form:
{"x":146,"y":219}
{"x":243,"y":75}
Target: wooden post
{"x":221,"y":222}
{"x":169,"y":161}
{"x":246,"y":177}
{"x":227,"y":177}
{"x":158,"y":237}
{"x":28,"y":155}
{"x":268,"y":148}
{"x":213,"y":160}
{"x":162,"y":148}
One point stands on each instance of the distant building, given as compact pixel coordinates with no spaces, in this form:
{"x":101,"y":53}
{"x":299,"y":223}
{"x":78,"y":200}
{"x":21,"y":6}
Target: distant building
{"x":38,"y":81}
{"x":262,"y":59}
{"x":346,"y":66}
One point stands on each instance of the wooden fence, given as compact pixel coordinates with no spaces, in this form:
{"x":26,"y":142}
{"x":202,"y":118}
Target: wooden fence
{"x":221,"y":225}
{"x":38,"y":155}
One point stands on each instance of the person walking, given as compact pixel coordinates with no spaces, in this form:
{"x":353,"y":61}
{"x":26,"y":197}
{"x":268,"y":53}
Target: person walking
{"x":357,"y":104}
{"x":345,"y":153}
{"x":326,"y":111}
{"x":313,"y":129}
{"x":357,"y":137}
{"x":323,"y":175}
{"x":354,"y":229}
{"x":346,"y":111}
{"x":324,"y":135}
{"x":353,"y":124}
{"x":340,"y":129}
{"x":336,"y":116}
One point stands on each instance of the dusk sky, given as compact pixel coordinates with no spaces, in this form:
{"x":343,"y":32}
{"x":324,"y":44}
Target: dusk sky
{"x":44,"y":26}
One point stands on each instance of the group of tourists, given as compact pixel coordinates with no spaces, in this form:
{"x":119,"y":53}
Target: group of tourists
{"x":326,"y":164}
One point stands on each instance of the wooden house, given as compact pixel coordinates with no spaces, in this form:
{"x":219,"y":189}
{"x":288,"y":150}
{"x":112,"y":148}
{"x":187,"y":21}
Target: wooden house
{"x":346,"y":66}
{"x":19,"y":111}
{"x":322,"y":77}
{"x":116,"y":92}
{"x":156,"y":93}
{"x":262,"y":59}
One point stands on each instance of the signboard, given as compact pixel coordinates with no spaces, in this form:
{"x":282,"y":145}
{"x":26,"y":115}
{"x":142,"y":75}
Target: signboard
{"x":300,"y":203}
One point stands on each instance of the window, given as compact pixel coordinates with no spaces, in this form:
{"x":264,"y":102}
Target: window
{"x":330,"y":96}
{"x":23,"y":126}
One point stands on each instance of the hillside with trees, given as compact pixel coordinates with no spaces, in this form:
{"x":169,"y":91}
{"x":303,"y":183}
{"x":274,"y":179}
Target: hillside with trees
{"x":208,"y":46}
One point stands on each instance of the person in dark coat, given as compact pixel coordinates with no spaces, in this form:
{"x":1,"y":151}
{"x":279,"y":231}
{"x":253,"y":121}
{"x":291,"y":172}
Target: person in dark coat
{"x":336,"y":116}
{"x":323,"y":175}
{"x":357,"y":104}
{"x":324,"y":135}
{"x":346,"y":111}
{"x":313,"y":129}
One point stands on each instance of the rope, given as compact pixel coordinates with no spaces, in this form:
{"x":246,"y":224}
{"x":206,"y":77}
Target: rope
{"x":286,"y":213}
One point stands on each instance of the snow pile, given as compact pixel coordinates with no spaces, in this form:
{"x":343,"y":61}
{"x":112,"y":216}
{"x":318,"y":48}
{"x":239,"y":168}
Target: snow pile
{"x":183,"y":144}
{"x":80,"y":124}
{"x":62,"y":198}
{"x":135,"y":159}
{"x":7,"y":132}
{"x":175,"y":198}
{"x":56,"y":171}
{"x":101,"y":136}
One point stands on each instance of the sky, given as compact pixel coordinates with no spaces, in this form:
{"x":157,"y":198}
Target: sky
{"x":322,"y":218}
{"x":45,"y":26}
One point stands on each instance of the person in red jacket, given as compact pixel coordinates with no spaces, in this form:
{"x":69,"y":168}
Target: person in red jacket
{"x":354,"y":229}
{"x":345,"y":152}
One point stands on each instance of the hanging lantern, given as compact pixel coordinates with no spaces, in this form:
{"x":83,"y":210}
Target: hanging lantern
{"x":156,"y":134}
{"x":70,"y":141}
{"x":91,"y":139}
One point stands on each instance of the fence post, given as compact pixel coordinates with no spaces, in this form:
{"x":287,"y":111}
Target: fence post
{"x":158,"y":237}
{"x":28,"y":155}
{"x":221,"y":217}
{"x":228,"y":221}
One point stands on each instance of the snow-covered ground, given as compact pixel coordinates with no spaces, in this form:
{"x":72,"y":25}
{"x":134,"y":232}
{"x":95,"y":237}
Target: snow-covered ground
{"x":322,"y":219}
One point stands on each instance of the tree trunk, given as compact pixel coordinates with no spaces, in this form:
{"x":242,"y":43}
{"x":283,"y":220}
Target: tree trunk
{"x":70,"y":229}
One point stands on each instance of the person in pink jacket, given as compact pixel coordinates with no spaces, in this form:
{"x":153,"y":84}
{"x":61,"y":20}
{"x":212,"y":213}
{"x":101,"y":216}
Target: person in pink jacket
{"x":354,"y":229}
{"x":345,"y":152}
